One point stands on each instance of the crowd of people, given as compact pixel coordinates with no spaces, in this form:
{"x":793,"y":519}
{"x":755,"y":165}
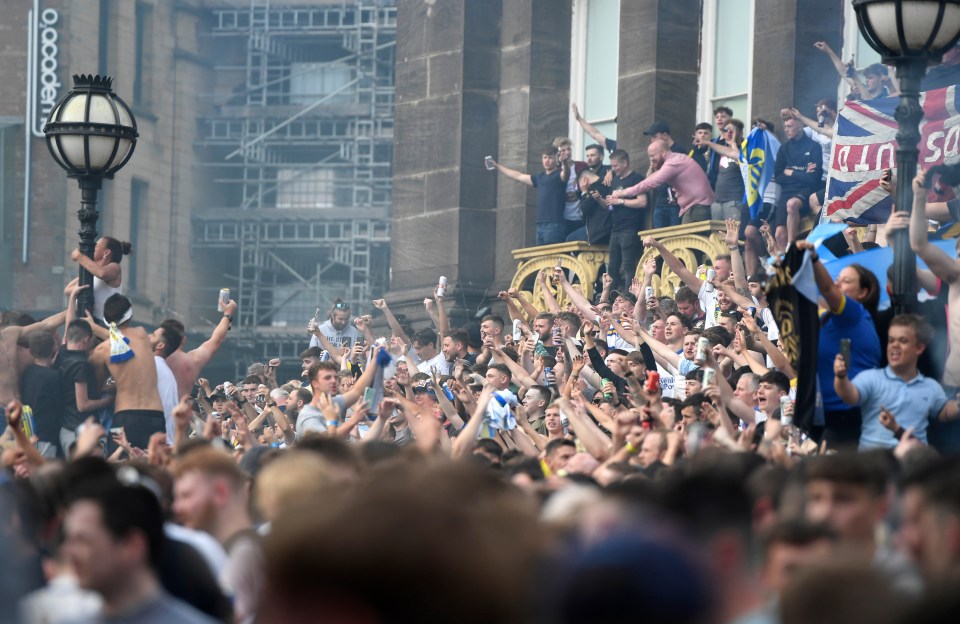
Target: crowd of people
{"x":633,"y":456}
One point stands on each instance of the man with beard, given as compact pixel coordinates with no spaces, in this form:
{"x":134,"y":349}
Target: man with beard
{"x":337,"y":329}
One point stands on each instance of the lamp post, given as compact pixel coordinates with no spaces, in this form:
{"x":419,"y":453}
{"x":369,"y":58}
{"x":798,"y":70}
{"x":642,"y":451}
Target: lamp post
{"x":908,"y":34}
{"x":91,"y":133}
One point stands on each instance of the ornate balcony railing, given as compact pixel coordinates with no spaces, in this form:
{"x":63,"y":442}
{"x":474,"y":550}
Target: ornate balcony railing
{"x":693,"y":243}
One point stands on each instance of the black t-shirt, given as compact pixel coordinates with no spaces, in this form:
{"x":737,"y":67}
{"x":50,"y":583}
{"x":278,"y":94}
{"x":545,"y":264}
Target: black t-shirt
{"x":551,"y":196}
{"x":624,"y":217}
{"x":75,"y":368}
{"x":42,"y":389}
{"x":729,"y":180}
{"x":595,"y":216}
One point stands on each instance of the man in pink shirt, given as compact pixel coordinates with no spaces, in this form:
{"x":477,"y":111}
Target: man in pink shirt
{"x":685,"y":176}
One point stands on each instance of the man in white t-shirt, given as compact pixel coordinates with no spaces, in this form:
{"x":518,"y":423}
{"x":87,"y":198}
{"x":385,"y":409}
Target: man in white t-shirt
{"x":425,"y":348}
{"x":165,"y":340}
{"x":337,"y":328}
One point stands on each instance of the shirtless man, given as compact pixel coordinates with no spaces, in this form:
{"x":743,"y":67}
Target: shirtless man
{"x":186,"y":365}
{"x":138,"y":408}
{"x":14,"y":359}
{"x":944,"y":267}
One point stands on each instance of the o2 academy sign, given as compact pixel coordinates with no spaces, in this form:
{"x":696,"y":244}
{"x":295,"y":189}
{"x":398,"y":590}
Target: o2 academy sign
{"x":43,"y":82}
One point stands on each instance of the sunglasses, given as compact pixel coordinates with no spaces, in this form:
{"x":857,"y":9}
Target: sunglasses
{"x":341,"y":306}
{"x":728,"y":130}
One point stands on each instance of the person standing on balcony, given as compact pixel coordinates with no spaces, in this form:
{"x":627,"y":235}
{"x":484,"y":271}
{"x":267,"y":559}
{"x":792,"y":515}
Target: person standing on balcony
{"x":683,"y":174}
{"x":627,"y":219}
{"x":551,"y":196}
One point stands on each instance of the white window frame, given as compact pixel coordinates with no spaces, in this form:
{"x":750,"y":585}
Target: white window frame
{"x":708,"y":43}
{"x":578,"y":77}
{"x":851,"y":35}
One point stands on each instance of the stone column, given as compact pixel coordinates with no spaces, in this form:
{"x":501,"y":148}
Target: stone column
{"x":787,"y":69}
{"x":534,"y":109}
{"x":444,"y":202}
{"x":659,"y":56}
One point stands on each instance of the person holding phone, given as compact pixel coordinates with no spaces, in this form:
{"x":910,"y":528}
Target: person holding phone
{"x":337,"y":329}
{"x":899,"y":393}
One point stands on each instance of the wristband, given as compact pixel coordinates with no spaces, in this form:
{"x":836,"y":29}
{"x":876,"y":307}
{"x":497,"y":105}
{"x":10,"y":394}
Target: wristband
{"x":733,"y":247}
{"x":333,"y":423}
{"x":631,"y":448}
{"x":898,"y":434}
{"x":229,"y":318}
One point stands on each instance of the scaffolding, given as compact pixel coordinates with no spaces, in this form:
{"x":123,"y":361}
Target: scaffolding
{"x":298,"y":149}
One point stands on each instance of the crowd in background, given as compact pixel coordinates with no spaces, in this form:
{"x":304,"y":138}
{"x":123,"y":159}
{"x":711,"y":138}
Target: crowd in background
{"x":630,"y":456}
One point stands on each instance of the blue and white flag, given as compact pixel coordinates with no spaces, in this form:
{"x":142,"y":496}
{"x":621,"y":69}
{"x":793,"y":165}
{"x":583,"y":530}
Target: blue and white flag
{"x":759,"y":153}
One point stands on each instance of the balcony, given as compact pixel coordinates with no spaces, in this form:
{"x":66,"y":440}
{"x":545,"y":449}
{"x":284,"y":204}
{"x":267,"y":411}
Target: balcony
{"x":692,"y":243}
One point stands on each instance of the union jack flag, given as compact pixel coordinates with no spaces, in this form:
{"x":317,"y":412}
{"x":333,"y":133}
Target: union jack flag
{"x":865,"y":144}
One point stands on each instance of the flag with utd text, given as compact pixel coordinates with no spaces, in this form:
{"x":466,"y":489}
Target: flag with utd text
{"x":865,"y":144}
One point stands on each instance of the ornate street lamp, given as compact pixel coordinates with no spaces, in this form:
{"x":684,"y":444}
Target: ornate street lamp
{"x":91,"y":133}
{"x":909,"y":34}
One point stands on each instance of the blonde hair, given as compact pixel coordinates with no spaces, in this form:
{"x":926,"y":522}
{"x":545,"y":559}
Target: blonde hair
{"x":292,"y":478}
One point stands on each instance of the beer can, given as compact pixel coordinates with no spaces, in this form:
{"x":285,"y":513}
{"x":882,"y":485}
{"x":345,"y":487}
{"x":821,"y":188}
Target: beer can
{"x":711,"y":274}
{"x":702,"y":345}
{"x":517,"y":334}
{"x":649,"y":292}
{"x":653,"y":382}
{"x":709,"y":377}
{"x":785,"y":420}
{"x":223,"y":299}
{"x":442,"y":287}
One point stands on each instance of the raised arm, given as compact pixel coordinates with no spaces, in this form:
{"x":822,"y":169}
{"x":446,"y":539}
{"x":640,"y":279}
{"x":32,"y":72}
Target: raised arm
{"x":693,"y":282}
{"x":810,"y":123}
{"x":443,"y":321}
{"x":640,"y":308}
{"x":449,"y":409}
{"x":828,"y":288}
{"x":575,"y":296}
{"x":780,"y":360}
{"x":552,"y":306}
{"x":837,"y":63}
{"x":512,"y":310}
{"x":942,"y":265}
{"x":513,"y":174}
{"x":202,"y":354}
{"x":845,"y":389}
{"x":730,"y":151}
{"x":589,"y":128}
{"x":354,"y":394}
{"x":537,"y":439}
{"x":332,"y":350}
{"x":107,"y":273}
{"x":661,"y":352}
{"x":528,"y":309}
{"x":595,"y":441}
{"x":381,"y":304}
{"x":467,"y":439}
{"x":732,"y":238}
{"x":519,"y":374}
